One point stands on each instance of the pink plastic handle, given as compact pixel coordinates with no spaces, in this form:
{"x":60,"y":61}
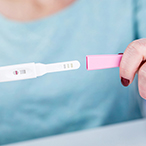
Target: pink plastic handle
{"x":94,"y":62}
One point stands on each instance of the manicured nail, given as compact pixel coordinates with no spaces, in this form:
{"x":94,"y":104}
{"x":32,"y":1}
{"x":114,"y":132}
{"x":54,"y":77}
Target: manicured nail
{"x":125,"y":82}
{"x":120,"y":53}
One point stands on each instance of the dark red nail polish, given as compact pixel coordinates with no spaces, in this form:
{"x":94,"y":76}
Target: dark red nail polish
{"x":125,"y":82}
{"x":120,"y":53}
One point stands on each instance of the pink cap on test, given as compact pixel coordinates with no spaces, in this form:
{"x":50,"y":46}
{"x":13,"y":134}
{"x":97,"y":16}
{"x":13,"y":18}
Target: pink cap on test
{"x":94,"y":62}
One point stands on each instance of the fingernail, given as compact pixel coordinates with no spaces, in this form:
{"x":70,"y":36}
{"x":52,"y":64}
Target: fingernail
{"x":120,"y":53}
{"x":125,"y":82}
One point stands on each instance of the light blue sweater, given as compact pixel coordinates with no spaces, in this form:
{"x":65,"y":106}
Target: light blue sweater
{"x":68,"y":101}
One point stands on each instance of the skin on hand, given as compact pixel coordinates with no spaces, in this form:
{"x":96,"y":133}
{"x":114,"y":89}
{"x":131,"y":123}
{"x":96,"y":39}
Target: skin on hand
{"x":133,"y":61}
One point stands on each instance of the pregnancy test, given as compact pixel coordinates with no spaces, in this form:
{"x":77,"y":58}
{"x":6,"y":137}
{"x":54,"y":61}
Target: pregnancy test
{"x":33,"y":70}
{"x":95,"y":62}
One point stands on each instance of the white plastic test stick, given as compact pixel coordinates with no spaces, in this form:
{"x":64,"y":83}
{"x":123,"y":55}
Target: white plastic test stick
{"x":33,"y":70}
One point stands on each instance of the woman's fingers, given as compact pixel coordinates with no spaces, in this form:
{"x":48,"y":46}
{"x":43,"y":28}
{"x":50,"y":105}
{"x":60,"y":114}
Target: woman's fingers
{"x":131,"y":61}
{"x":142,"y":80}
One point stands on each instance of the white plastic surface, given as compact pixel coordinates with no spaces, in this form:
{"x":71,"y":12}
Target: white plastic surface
{"x":32,"y":70}
{"x":63,"y":66}
{"x":17,"y":72}
{"x":125,"y":134}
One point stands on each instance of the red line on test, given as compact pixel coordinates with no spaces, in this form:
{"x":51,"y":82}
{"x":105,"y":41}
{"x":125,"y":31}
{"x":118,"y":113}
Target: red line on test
{"x":16,"y":72}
